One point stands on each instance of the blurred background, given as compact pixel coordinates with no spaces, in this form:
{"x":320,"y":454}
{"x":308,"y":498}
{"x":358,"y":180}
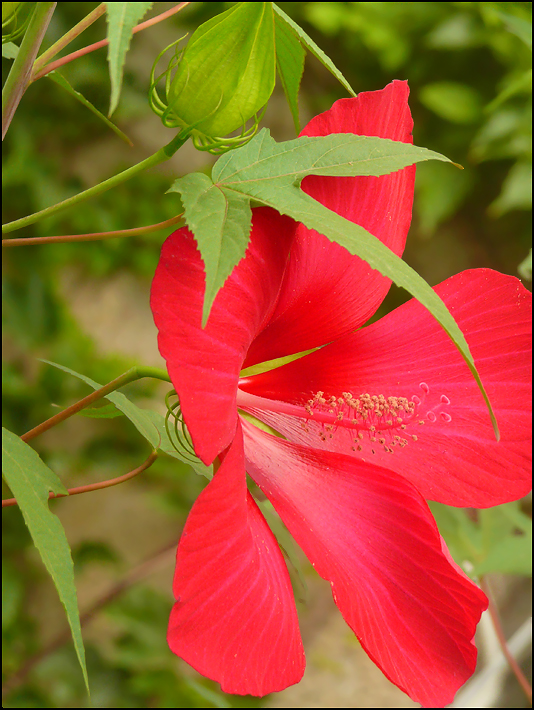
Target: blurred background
{"x":86,"y":306}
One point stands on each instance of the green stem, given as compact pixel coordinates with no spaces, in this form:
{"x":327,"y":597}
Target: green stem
{"x":160,"y":156}
{"x":19,"y":75}
{"x":93,"y":236}
{"x":67,"y":39}
{"x":135,"y":373}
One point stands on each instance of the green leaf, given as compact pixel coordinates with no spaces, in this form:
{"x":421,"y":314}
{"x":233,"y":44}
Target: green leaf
{"x":500,"y":540}
{"x":150,"y":424}
{"x":455,"y":102}
{"x":290,"y":56}
{"x":506,"y":540}
{"x":136,"y":415}
{"x":9,"y":50}
{"x":108,"y":411}
{"x":265,"y":168}
{"x":61,"y":81}
{"x":512,"y":555}
{"x":462,"y":535}
{"x":122,"y":18}
{"x":521,"y":28}
{"x":516,"y":193}
{"x":221,"y":225}
{"x":313,"y":48}
{"x":439,"y":193}
{"x":31,"y":480}
{"x":525,"y":267}
{"x":271,"y":174}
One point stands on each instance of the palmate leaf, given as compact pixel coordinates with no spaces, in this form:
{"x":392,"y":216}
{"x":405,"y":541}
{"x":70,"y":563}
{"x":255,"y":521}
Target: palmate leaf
{"x":221,"y":224}
{"x":271,"y":173}
{"x":30,"y":481}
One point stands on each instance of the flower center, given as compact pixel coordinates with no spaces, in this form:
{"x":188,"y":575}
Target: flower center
{"x":381,"y":421}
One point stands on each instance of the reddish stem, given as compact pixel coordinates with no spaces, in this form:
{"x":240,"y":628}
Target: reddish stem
{"x":514,"y":666}
{"x":92,"y":236}
{"x":103,"y":42}
{"x":71,"y":35}
{"x":96,"y":486}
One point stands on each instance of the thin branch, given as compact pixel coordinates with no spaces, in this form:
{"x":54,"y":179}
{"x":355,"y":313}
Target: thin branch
{"x":67,"y":39}
{"x":514,"y":666}
{"x":96,"y":486}
{"x":93,"y":236}
{"x":135,"y":373}
{"x":159,"y":156}
{"x":164,"y":556}
{"x":103,"y":42}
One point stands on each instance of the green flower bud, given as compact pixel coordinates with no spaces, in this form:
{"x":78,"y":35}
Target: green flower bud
{"x":225,"y":75}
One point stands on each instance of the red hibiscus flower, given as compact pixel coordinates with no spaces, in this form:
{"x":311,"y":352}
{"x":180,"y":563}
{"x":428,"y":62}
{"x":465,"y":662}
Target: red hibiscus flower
{"x":372,"y":424}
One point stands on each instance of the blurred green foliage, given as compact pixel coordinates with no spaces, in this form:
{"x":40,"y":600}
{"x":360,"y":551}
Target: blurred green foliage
{"x":468,"y":66}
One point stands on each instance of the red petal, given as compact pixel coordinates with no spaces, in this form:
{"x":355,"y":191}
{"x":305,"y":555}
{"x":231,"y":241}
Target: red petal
{"x":204,"y":364}
{"x":457,"y":462}
{"x":370,"y":533}
{"x":327,"y":292}
{"x":234,"y":619}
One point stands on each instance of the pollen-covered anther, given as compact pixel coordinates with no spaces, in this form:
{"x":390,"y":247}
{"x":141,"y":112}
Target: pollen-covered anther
{"x":375,"y":417}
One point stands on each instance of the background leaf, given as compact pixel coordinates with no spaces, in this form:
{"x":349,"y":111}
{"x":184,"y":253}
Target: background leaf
{"x":61,"y":81}
{"x":150,"y":424}
{"x":135,"y":414}
{"x":30,"y":481}
{"x":108,"y":411}
{"x":521,"y":28}
{"x":506,"y":535}
{"x":9,"y":50}
{"x":122,"y":18}
{"x":314,"y":49}
{"x":290,"y":56}
{"x":499,"y":540}
{"x":453,"y":101}
{"x":525,"y":267}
